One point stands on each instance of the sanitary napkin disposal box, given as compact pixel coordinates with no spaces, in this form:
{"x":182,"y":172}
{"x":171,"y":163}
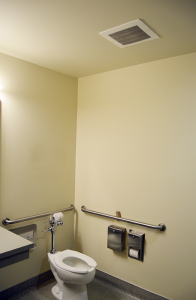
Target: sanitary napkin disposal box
{"x":116,"y":238}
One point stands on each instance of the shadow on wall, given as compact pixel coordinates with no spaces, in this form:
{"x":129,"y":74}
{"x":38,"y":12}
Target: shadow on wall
{"x":77,"y":238}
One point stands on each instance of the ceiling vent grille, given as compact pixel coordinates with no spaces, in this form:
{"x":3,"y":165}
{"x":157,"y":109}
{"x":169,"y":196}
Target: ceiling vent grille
{"x":129,"y":34}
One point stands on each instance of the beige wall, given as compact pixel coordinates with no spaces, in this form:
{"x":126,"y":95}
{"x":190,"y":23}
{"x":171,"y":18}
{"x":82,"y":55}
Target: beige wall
{"x":38,"y":135}
{"x":135,"y":153}
{"x":136,"y":149}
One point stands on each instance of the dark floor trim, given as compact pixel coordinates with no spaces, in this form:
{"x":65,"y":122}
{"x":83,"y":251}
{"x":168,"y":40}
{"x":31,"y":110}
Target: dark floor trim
{"x":128,"y":288}
{"x":124,"y":286}
{"x":30,"y":283}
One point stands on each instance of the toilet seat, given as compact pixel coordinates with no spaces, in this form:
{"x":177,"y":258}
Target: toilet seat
{"x":74,"y":261}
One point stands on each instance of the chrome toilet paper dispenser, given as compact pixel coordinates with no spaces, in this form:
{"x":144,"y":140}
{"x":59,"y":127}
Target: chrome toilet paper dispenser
{"x":135,"y":243}
{"x":116,"y":238}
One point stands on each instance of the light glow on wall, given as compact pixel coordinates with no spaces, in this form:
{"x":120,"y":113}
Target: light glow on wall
{"x":1,"y":87}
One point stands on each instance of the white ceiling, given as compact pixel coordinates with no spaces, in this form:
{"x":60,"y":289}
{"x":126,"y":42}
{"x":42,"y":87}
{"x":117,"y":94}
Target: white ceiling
{"x":63,"y":35}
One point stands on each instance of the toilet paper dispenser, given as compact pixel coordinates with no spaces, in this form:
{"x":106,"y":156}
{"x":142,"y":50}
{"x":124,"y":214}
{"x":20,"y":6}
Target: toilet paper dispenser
{"x":135,"y":243}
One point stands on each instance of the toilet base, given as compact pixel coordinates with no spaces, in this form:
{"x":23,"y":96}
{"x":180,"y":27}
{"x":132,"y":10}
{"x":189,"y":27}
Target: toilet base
{"x":56,"y":293}
{"x":70,"y":292}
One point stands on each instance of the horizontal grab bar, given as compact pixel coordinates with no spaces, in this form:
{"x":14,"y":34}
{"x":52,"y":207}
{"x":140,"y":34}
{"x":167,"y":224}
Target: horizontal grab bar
{"x":7,"y":221}
{"x":161,"y":226}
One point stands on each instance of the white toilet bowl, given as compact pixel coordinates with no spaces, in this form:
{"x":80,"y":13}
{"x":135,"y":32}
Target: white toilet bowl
{"x":72,"y":271}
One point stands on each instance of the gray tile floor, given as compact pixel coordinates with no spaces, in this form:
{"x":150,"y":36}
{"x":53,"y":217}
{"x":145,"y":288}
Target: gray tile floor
{"x":97,"y":290}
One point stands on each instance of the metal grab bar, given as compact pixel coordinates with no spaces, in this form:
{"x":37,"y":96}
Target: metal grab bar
{"x":161,"y":226}
{"x":7,"y":221}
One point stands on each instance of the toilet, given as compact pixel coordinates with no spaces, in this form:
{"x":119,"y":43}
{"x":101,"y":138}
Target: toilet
{"x":72,"y":271}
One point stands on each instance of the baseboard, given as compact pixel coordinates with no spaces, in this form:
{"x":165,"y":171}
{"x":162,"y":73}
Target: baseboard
{"x":30,"y":283}
{"x":46,"y":277}
{"x":128,"y":288}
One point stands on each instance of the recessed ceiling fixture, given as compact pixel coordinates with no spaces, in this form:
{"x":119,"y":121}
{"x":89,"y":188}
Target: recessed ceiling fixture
{"x":129,"y":34}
